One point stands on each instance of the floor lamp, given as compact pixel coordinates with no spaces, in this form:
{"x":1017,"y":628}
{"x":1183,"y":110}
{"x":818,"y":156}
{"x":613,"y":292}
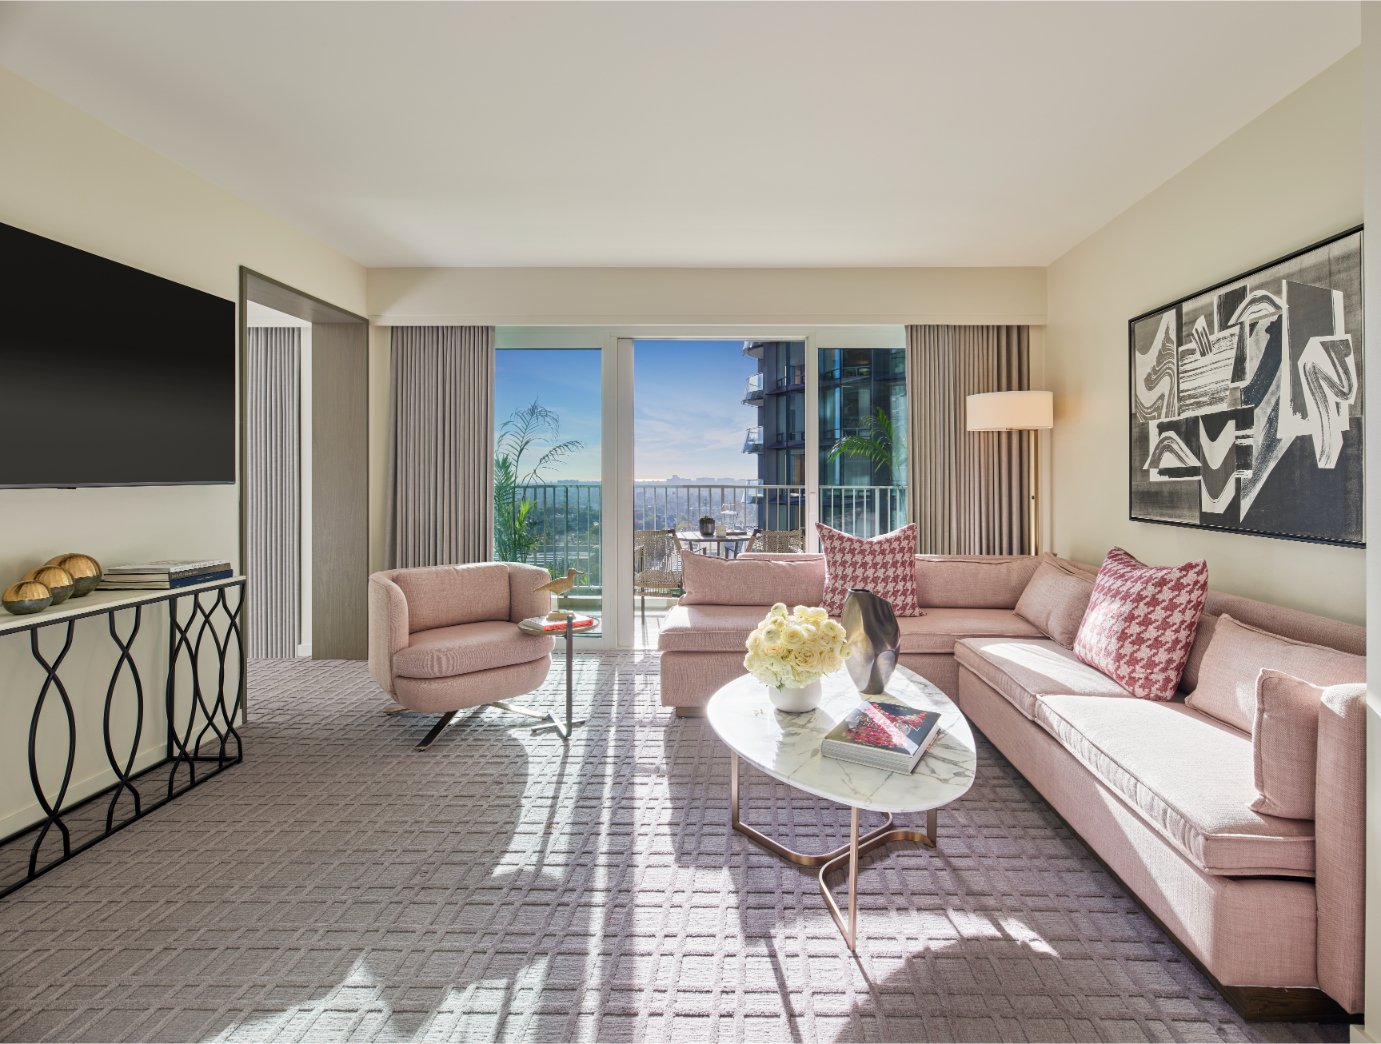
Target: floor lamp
{"x":1032,"y":411}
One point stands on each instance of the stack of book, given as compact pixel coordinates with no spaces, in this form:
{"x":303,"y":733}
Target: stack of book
{"x":883,"y":735}
{"x":579,"y":622}
{"x":163,"y":575}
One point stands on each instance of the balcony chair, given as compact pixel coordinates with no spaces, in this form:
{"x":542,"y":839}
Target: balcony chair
{"x":779,"y":541}
{"x":445,"y":638}
{"x":656,"y":565}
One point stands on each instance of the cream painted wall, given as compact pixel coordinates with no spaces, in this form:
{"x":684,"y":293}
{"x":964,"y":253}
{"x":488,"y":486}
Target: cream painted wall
{"x":70,"y":178}
{"x":705,"y":296}
{"x":1371,"y":113}
{"x":1291,"y":177}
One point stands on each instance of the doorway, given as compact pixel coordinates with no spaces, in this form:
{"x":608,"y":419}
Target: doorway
{"x":304,"y":489}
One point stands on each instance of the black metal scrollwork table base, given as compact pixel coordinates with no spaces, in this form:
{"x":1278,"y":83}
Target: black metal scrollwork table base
{"x":203,"y":702}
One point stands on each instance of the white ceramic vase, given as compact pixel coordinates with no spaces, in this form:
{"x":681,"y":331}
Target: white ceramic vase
{"x":793,"y":700}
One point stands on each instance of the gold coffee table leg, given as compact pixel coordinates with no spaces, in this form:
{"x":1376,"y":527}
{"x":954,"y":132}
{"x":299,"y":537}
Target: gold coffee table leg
{"x":849,"y":856}
{"x":810,"y":859}
{"x":837,"y":860}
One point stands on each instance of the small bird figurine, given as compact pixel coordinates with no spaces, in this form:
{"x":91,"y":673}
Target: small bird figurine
{"x":558,"y":587}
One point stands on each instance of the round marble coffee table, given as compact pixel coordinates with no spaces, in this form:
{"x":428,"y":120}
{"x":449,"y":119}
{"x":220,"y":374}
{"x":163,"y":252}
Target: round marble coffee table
{"x":787,"y":748}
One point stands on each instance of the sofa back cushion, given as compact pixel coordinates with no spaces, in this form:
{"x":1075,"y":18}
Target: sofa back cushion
{"x":443,"y":596}
{"x":1055,"y":601}
{"x":752,"y":581}
{"x":1285,"y":742}
{"x":972,"y":581}
{"x":1235,"y":657}
{"x":1141,"y":622}
{"x":885,"y":565}
{"x":1275,"y":619}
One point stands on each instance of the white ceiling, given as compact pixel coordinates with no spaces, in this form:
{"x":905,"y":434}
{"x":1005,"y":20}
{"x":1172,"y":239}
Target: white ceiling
{"x":668,"y":134}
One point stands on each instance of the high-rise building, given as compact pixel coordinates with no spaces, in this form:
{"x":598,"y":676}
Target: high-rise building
{"x":854,"y":384}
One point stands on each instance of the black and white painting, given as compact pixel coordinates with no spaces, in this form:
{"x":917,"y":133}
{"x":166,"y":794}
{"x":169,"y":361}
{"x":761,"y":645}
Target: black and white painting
{"x":1246,"y":401}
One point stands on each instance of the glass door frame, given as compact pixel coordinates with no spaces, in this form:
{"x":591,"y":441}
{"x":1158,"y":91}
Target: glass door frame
{"x":615,"y":345}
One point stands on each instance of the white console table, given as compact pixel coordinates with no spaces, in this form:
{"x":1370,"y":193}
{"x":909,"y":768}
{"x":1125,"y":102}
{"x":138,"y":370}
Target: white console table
{"x":204,"y":699}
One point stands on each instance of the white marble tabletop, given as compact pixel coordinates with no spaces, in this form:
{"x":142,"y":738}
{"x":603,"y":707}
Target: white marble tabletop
{"x":787,"y":746}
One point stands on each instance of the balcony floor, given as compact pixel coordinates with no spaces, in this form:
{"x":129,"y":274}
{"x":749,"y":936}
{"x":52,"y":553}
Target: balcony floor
{"x":647,"y":628}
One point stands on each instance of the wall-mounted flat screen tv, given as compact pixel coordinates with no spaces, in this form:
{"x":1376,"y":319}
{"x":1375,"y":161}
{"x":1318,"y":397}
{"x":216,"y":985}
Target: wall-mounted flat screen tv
{"x":110,"y":376}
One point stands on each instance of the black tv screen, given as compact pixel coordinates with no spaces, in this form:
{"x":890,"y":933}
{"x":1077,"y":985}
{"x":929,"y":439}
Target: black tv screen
{"x":110,"y":376}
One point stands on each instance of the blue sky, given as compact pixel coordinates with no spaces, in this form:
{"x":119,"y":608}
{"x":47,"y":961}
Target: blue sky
{"x":688,"y":413}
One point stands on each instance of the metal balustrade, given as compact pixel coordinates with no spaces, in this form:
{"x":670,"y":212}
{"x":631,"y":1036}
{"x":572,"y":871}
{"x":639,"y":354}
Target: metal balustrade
{"x":565,"y":521}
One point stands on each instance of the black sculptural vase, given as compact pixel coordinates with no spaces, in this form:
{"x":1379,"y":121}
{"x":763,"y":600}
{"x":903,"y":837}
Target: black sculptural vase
{"x":874,"y":638}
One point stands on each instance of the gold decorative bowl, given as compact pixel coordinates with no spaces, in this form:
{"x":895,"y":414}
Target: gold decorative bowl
{"x":27,"y":596}
{"x":56,"y":579}
{"x":85,"y":572}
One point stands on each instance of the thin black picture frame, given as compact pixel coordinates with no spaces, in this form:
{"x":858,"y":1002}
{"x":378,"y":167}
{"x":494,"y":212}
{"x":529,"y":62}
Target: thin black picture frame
{"x":1179,"y":303}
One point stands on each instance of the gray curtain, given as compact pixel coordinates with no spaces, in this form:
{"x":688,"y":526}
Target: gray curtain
{"x":272,"y":476}
{"x":968,"y":490}
{"x":441,"y":504}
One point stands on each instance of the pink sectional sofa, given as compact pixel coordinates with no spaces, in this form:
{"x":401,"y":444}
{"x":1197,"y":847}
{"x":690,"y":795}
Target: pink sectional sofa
{"x":1269,"y":908}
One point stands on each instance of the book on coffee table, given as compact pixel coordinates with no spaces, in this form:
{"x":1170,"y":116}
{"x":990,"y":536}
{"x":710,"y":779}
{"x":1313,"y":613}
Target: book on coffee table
{"x":883,"y":735}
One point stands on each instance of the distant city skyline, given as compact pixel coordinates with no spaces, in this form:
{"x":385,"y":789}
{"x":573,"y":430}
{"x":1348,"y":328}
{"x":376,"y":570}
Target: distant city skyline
{"x":688,"y":413}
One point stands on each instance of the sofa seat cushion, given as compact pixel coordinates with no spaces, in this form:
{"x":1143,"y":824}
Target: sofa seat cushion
{"x":939,"y":629}
{"x":1025,"y":670}
{"x":446,"y":652}
{"x":1188,"y":776}
{"x":709,"y":628}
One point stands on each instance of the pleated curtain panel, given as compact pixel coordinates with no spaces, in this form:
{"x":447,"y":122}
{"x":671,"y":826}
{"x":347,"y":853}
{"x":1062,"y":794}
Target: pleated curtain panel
{"x":968,"y":490}
{"x":441,"y":504}
{"x":273,"y":360}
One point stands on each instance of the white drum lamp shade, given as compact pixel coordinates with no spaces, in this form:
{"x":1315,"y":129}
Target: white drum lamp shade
{"x":1032,"y":411}
{"x":1010,"y":411}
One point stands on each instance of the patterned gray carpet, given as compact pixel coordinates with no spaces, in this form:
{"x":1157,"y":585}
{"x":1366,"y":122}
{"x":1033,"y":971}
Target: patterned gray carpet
{"x":338,"y":885}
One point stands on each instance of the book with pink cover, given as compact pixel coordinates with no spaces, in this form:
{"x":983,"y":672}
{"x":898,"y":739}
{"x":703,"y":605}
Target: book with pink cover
{"x":883,"y":735}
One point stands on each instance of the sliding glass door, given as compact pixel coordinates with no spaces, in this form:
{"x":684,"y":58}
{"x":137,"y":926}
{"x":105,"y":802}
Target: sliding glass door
{"x":606,"y":445}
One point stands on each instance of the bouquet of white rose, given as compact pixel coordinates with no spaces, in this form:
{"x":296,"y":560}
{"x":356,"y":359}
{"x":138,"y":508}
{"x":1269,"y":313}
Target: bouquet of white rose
{"x":793,"y":649}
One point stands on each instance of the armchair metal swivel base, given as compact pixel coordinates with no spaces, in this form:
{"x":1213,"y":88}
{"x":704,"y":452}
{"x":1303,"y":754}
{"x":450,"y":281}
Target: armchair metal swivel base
{"x":445,"y":721}
{"x":443,"y":639}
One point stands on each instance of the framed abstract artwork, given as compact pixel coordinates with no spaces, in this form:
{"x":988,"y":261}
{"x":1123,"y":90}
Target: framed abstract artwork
{"x":1246,"y":404}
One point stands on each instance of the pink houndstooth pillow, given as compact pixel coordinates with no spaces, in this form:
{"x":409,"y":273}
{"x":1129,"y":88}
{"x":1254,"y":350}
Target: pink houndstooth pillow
{"x":885,"y":565}
{"x":1141,"y":621}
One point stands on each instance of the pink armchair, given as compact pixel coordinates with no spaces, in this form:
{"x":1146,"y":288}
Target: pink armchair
{"x":446,"y":638}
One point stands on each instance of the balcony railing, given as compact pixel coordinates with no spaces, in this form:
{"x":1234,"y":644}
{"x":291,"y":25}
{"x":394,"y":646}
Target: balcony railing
{"x":794,"y":377}
{"x":752,"y":439}
{"x":752,"y":389}
{"x":565,"y":528}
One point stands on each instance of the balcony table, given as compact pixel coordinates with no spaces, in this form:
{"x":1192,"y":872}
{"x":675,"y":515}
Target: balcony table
{"x":724,"y":543}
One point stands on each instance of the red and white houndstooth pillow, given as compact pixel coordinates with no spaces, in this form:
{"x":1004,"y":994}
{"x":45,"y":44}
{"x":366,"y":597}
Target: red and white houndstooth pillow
{"x":1141,"y":623}
{"x":885,"y":565}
